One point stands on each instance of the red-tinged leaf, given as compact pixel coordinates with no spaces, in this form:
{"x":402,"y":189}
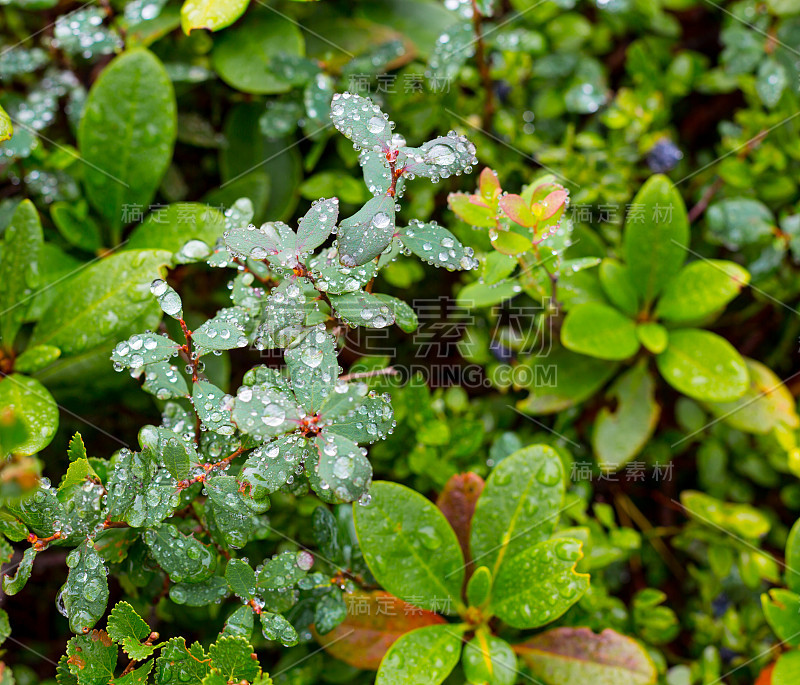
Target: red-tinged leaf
{"x":375,"y":620}
{"x":472,"y":213}
{"x":765,"y":677}
{"x":553,"y":202}
{"x":577,"y":655}
{"x":457,"y":502}
{"x":517,"y":210}
{"x":477,"y":200}
{"x":489,"y":185}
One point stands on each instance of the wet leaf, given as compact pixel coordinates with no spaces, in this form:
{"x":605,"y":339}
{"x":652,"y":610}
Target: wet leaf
{"x":358,"y":119}
{"x":457,"y":502}
{"x":182,"y":557}
{"x":241,"y":579}
{"x":437,"y":246}
{"x":264,"y":412}
{"x":230,"y":657}
{"x":200,"y":594}
{"x":34,"y":406}
{"x":489,"y":659}
{"x":229,"y":517}
{"x":341,"y":467}
{"x":276,"y":627}
{"x":313,"y":369}
{"x":211,"y":14}
{"x":92,"y":657}
{"x":598,"y":330}
{"x":12,"y":584}
{"x":427,"y":655}
{"x":124,"y":622}
{"x":240,"y":623}
{"x":368,"y":232}
{"x":370,"y":420}
{"x":143,"y":348}
{"x":362,"y":309}
{"x":178,"y":664}
{"x":85,"y":594}
{"x":211,"y":405}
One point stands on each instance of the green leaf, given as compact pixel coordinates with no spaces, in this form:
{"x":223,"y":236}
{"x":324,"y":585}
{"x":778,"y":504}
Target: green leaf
{"x":368,"y":232}
{"x":562,"y":379}
{"x":36,"y":358}
{"x":225,"y":331}
{"x":426,"y":655}
{"x":317,"y":224}
{"x":331,"y":610}
{"x":240,"y":623}
{"x":771,"y":81}
{"x":479,"y":586}
{"x":5,"y":626}
{"x":787,"y":669}
{"x":404,"y":315}
{"x":264,"y":412}
{"x":174,"y":452}
{"x":163,"y":380}
{"x":574,"y":655}
{"x":242,"y":55}
{"x":76,"y":473}
{"x":269,"y":467}
{"x":171,"y":227}
{"x":703,"y":366}
{"x":655,"y":240}
{"x":653,"y":336}
{"x":737,"y":222}
{"x":362,"y":309}
{"x":488,"y":659}
{"x":101,"y":301}
{"x":496,"y":267}
{"x":143,"y":348}
{"x":793,"y":558}
{"x":76,"y":450}
{"x":13,"y":584}
{"x":227,"y":513}
{"x":34,"y":406}
{"x":126,"y":141}
{"x":766,"y":405}
{"x":241,"y":579}
{"x":471,"y":212}
{"x":210,"y":404}
{"x":92,"y":657}
{"x":616,"y":281}
{"x":124,"y":622}
{"x":371,"y":420}
{"x":740,"y":519}
{"x":362,"y":121}
{"x":215,"y":589}
{"x":19,"y":269}
{"x":485,"y":295}
{"x":410,"y":547}
{"x":6,"y":128}
{"x":539,"y":584}
{"x":138,"y":676}
{"x":231,"y":657}
{"x":167,"y":297}
{"x":85,"y":594}
{"x":211,"y":14}
{"x":76,"y":226}
{"x":436,"y":245}
{"x":782,"y":611}
{"x":519,"y":506}
{"x":620,"y":435}
{"x":341,"y":467}
{"x":600,"y":331}
{"x":182,"y":557}
{"x":276,"y":627}
{"x":441,"y":157}
{"x":701,"y":288}
{"x":181,"y":665}
{"x":313,"y":369}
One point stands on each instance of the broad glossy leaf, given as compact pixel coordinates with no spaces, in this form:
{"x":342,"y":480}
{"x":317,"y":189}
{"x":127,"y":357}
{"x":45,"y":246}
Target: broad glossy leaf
{"x":766,"y":405}
{"x":242,"y":55}
{"x":363,"y":309}
{"x":485,"y":295}
{"x":410,"y":548}
{"x":358,"y":119}
{"x":313,"y":368}
{"x":653,"y":336}
{"x":211,"y":14}
{"x":518,"y":508}
{"x":619,"y":435}
{"x":787,"y":669}
{"x":6,"y":128}
{"x":241,"y":579}
{"x":703,"y":366}
{"x":426,"y":655}
{"x":76,"y":473}
{"x":143,"y":348}
{"x":228,"y":515}
{"x":562,"y":379}
{"x":479,"y":586}
{"x":367,"y":233}
{"x":85,"y":594}
{"x":317,"y":224}
{"x":35,"y":408}
{"x":124,"y":622}
{"x":269,"y":467}
{"x":375,"y":620}
{"x":740,"y":519}
{"x":178,"y":664}
{"x":457,"y":502}
{"x":210,"y":403}
{"x":617,"y":285}
{"x":264,"y":412}
{"x":172,"y":227}
{"x":539,"y":584}
{"x":279,"y":576}
{"x":782,"y":611}
{"x":436,"y":245}
{"x":276,"y":627}
{"x":340,"y":466}
{"x":467,"y":208}
{"x":182,"y":557}
{"x":19,"y":269}
{"x":36,"y":358}
{"x":700,"y":289}
{"x":40,"y":510}
{"x":489,"y":659}
{"x":12,"y":584}
{"x":600,"y":331}
{"x":126,"y":142}
{"x":200,"y":594}
{"x":567,"y":655}
{"x":452,"y":49}
{"x":793,"y":558}
{"x":101,"y":301}
{"x":655,"y":241}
